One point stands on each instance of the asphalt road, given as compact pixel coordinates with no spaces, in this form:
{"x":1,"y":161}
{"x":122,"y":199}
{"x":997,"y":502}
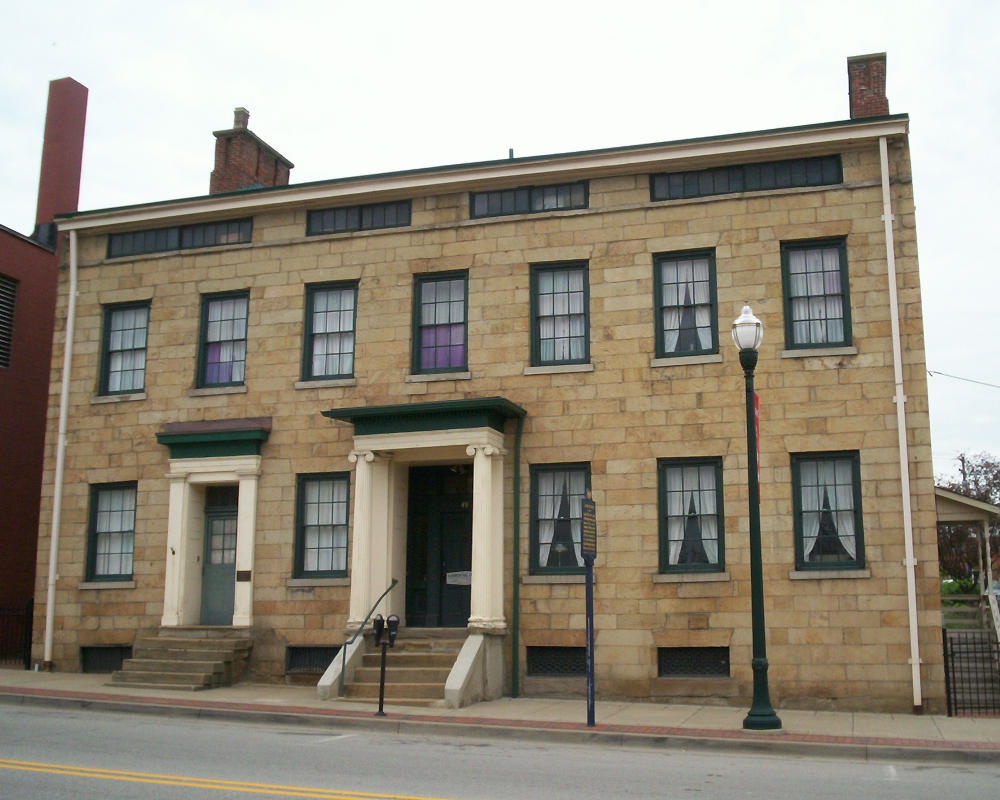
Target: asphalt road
{"x":80,"y":754}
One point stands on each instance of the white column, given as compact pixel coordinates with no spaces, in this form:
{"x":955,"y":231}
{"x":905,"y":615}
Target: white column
{"x":361,"y":544}
{"x":380,"y":532}
{"x":177,"y":556}
{"x":246,"y":516}
{"x":486,"y":611}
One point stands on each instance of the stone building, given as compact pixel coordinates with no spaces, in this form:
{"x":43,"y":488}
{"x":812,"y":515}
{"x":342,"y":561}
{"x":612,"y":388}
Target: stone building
{"x":283,"y":397}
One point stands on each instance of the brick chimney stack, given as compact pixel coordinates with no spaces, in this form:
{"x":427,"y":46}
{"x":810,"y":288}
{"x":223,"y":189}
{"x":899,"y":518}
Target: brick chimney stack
{"x":245,"y":161}
{"x":866,"y":79}
{"x":62,"y":156}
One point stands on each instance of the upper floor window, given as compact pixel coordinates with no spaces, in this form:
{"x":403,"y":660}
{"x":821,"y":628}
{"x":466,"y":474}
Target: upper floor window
{"x":111,"y":538}
{"x":685,"y":298}
{"x":691,"y":529}
{"x":358,"y":218}
{"x":180,"y":237}
{"x":817,"y":305}
{"x":440,"y":328}
{"x":557,"y":493}
{"x":529,"y":199}
{"x":321,"y":529}
{"x":787,"y":174}
{"x":559,"y":314}
{"x":123,"y":358}
{"x":223,"y":349}
{"x":827,"y":507}
{"x":8,"y":298}
{"x":330,"y":317}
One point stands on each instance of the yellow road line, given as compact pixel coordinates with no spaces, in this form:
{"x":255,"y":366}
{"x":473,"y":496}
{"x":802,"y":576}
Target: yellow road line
{"x":98,"y":773}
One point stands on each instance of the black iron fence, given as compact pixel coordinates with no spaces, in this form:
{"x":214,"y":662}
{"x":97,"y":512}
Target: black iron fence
{"x":972,"y":672}
{"x":15,"y":633}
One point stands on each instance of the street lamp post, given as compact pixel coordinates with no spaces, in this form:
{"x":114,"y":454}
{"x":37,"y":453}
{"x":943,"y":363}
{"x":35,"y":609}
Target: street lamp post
{"x":748,"y":333}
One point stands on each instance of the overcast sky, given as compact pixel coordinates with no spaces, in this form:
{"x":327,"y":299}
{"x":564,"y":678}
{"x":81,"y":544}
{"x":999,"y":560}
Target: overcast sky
{"x":353,"y":88}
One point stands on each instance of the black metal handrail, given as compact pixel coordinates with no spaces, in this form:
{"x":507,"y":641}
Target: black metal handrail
{"x":357,"y":633}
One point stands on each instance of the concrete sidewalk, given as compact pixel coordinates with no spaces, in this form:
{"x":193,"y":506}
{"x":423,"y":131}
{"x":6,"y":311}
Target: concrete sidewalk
{"x":815,"y":733}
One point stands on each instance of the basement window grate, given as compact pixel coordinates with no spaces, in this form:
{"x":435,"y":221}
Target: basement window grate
{"x":693,"y":662}
{"x":104,"y":658}
{"x":309,"y":659}
{"x":560,"y":662}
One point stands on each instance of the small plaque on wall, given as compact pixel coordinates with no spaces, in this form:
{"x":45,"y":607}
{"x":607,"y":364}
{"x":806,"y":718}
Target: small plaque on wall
{"x":243,"y":575}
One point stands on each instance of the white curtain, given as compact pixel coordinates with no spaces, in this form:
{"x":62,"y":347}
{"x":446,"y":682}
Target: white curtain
{"x":692,"y":487}
{"x":550,"y":491}
{"x":686,"y":281}
{"x":833,"y":480}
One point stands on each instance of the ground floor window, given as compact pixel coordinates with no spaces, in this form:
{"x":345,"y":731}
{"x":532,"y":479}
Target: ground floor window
{"x":112,"y":531}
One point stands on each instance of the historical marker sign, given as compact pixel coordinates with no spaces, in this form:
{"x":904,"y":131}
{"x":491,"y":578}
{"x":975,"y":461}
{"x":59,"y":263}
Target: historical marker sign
{"x":588,"y":543}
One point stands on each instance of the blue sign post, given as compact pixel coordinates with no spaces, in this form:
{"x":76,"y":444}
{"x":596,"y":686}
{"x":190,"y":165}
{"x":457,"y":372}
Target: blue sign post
{"x":588,"y":546}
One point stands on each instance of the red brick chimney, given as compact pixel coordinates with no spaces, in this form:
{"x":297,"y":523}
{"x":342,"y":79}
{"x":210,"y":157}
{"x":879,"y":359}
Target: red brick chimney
{"x":245,"y":161}
{"x":866,"y":79}
{"x":62,"y":156}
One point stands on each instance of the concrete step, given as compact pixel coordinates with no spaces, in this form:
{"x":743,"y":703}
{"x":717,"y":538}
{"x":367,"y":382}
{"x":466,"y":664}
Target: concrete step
{"x":434,"y":660}
{"x":172,"y":665}
{"x":426,"y":691}
{"x":202,"y":680}
{"x":407,"y":674}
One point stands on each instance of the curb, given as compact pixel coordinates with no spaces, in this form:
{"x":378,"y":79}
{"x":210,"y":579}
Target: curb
{"x":631,"y":736}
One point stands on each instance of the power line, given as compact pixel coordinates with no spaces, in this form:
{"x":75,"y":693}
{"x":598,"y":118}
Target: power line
{"x":960,"y":378}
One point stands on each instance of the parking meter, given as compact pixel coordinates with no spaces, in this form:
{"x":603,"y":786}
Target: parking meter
{"x":392,"y":625}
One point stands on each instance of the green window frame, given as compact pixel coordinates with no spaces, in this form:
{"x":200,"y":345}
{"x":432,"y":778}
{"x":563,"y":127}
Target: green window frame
{"x":111,"y":531}
{"x":529,"y":199}
{"x":560,"y":313}
{"x":758,"y":177}
{"x":180,"y":237}
{"x":440,"y":323}
{"x":123,"y":348}
{"x":816,"y":294}
{"x":826,"y":500}
{"x":686,"y":305}
{"x":691,"y":516}
{"x":349,"y":219}
{"x":222,"y":348}
{"x":322,"y":516}
{"x":331,"y":317}
{"x":557,"y":492}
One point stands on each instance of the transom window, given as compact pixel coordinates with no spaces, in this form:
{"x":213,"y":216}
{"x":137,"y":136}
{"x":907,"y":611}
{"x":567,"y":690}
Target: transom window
{"x":685,"y":286}
{"x":817,"y":307}
{"x":223,"y":339}
{"x":529,"y":199}
{"x":559,"y":314}
{"x":321,"y":533}
{"x":557,"y":493}
{"x":180,"y":237}
{"x":691,"y":518}
{"x":330,"y":319}
{"x":358,"y":218}
{"x":827,"y":507}
{"x":124,"y":357}
{"x":759,"y":177}
{"x":112,"y":531}
{"x":440,"y":323}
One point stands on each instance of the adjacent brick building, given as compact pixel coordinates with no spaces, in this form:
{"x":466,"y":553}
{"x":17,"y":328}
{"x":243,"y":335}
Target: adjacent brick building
{"x":281,"y":398}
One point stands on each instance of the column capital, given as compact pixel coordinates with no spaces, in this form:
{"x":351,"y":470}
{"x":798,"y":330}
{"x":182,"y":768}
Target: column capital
{"x":488,"y":450}
{"x":364,"y":455}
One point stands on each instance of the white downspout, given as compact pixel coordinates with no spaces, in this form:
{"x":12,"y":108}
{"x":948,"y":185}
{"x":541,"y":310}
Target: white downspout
{"x":50,"y":596}
{"x":909,"y":562}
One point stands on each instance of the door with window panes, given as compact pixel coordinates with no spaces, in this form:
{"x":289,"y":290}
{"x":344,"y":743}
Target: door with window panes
{"x":218,"y":576}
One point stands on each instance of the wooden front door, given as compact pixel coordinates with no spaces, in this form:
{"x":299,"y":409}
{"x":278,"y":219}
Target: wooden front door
{"x":218,"y":575}
{"x":439,"y":547}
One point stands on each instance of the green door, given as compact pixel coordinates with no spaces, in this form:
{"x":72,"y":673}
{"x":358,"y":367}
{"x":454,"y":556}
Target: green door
{"x":218,"y":575}
{"x":439,"y":547}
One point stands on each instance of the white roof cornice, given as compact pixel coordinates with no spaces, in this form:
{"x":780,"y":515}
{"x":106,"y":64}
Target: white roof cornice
{"x":667,"y":156}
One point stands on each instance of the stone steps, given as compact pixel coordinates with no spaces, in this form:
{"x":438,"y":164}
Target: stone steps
{"x":192,"y":658}
{"x":417,"y":667}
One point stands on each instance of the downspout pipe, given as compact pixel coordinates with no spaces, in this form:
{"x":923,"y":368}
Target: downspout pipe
{"x":899,"y":398}
{"x":57,"y":489}
{"x":515,"y":638}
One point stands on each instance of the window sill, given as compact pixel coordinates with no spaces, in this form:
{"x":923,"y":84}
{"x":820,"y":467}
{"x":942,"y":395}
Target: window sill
{"x":555,"y":369}
{"x":680,"y":361}
{"x":106,"y":585}
{"x":117,"y":398}
{"x":691,"y":577}
{"x":438,"y":376}
{"x":806,"y":352}
{"x":302,"y":583}
{"x":207,"y":391}
{"x":554,"y":579}
{"x":823,"y":574}
{"x":326,"y":384}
